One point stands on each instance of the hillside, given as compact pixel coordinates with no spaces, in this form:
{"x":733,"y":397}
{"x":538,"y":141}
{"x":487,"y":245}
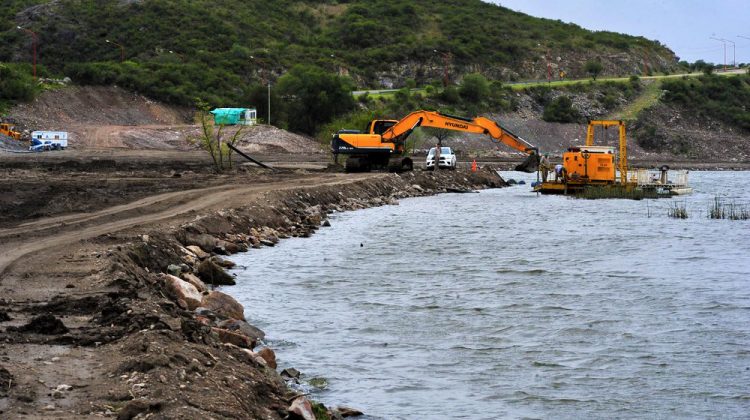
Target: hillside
{"x":178,"y":49}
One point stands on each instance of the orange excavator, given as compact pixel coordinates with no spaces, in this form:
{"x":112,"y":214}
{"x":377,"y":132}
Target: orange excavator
{"x":382,"y":145}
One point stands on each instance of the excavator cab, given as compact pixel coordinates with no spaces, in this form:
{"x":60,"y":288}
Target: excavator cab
{"x":380,"y":126}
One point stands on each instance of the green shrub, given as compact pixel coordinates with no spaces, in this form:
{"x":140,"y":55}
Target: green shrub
{"x":561,"y":110}
{"x":723,"y":98}
{"x":474,"y":88}
{"x":593,"y":68}
{"x":16,"y":84}
{"x":312,"y":97}
{"x":450,"y":95}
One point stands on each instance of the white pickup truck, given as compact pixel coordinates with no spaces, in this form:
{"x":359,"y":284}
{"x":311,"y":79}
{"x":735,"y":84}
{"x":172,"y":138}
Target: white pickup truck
{"x":48,"y":140}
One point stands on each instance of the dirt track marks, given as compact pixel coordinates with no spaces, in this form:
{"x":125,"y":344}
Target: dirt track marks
{"x":63,"y":231}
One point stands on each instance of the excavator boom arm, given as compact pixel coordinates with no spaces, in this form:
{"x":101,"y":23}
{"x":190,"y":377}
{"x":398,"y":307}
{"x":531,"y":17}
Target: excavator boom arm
{"x":479,"y":125}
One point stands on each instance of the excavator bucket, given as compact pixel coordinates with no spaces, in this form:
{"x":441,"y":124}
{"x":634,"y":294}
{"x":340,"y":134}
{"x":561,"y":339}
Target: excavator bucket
{"x":530,"y":164}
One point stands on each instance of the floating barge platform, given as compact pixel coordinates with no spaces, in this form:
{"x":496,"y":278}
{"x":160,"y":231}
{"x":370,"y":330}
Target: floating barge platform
{"x":640,"y":183}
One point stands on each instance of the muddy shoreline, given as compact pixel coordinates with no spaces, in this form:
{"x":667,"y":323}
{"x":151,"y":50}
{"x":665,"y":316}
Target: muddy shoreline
{"x":125,"y":322}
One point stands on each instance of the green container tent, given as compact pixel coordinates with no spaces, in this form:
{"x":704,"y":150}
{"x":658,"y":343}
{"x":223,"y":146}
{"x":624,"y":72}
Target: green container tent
{"x":235,"y":116}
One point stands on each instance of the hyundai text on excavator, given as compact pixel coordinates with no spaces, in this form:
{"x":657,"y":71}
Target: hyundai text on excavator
{"x":382,"y":145}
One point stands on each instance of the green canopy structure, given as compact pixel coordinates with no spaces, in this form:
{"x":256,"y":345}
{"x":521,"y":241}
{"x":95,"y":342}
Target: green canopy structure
{"x":234,"y":116}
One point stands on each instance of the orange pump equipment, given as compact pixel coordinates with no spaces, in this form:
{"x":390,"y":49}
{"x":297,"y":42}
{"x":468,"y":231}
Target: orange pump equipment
{"x":591,"y":164}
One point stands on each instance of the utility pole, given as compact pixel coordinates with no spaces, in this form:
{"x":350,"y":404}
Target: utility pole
{"x":446,"y":64}
{"x":268,"y":81}
{"x":122,"y":49}
{"x":180,"y":56}
{"x":724,"y":41}
{"x":269,"y":101}
{"x":34,"y":41}
{"x":743,"y":37}
{"x":549,"y":69}
{"x":646,"y":67}
{"x":734,"y":53}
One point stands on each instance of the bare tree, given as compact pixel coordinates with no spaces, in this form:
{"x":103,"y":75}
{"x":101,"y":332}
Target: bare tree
{"x":211,"y":140}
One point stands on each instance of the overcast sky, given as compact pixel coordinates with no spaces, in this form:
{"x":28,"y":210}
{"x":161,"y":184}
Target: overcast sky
{"x":685,"y":26}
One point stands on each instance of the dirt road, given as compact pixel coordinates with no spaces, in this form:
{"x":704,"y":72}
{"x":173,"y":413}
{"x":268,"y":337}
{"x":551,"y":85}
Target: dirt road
{"x":54,"y":232}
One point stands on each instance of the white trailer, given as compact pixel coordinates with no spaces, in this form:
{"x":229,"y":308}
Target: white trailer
{"x":48,"y":140}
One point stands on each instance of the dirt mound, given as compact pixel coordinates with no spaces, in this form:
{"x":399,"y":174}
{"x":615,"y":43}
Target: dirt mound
{"x":58,"y":109}
{"x":112,"y":118}
{"x":44,"y":324}
{"x":269,"y":139}
{"x":149,"y":137}
{"x":105,"y":118}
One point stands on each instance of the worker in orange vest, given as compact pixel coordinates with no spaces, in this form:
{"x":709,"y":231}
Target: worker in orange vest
{"x":474,"y":166}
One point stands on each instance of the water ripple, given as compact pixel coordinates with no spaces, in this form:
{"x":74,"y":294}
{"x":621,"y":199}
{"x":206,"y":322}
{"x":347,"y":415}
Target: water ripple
{"x":517,"y":307}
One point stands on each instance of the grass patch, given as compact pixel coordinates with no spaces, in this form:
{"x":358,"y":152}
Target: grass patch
{"x":731,"y":211}
{"x":677,"y":211}
{"x":519,"y":86}
{"x":649,"y":96}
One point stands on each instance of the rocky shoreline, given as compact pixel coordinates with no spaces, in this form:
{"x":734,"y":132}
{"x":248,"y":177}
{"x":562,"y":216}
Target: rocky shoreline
{"x":182,"y":349}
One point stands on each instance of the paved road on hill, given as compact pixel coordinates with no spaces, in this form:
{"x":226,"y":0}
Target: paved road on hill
{"x":532,"y":83}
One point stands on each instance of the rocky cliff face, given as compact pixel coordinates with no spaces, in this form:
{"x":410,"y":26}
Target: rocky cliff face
{"x":570,"y":63}
{"x":672,"y":129}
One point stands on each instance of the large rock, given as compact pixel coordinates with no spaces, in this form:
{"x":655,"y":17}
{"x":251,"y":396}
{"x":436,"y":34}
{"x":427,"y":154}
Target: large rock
{"x":269,"y":356}
{"x":206,"y":242}
{"x":242,"y":327}
{"x":223,"y":305}
{"x":290,"y":373}
{"x":211,"y":273}
{"x":198,"y":252}
{"x":174,"y":269}
{"x":253,"y":356}
{"x":348,"y":411}
{"x":302,"y":408}
{"x":183,"y":292}
{"x":215,"y":224}
{"x":239,"y":340}
{"x":195,"y":281}
{"x":229,"y":247}
{"x":221,"y":262}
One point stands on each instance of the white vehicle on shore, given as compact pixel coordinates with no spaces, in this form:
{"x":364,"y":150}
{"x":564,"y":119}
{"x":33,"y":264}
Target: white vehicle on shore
{"x":48,"y":140}
{"x":447,"y":158}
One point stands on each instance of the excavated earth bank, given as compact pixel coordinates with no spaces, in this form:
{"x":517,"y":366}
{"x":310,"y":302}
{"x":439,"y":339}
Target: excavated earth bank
{"x":113,"y":312}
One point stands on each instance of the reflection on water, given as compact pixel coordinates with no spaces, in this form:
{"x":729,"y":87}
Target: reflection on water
{"x":505,"y":304}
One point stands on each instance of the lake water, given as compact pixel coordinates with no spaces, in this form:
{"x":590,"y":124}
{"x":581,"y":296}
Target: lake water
{"x":505,"y":304}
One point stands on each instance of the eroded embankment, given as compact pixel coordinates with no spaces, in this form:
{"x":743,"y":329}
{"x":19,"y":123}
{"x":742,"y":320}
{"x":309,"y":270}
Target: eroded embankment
{"x":168,"y":343}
